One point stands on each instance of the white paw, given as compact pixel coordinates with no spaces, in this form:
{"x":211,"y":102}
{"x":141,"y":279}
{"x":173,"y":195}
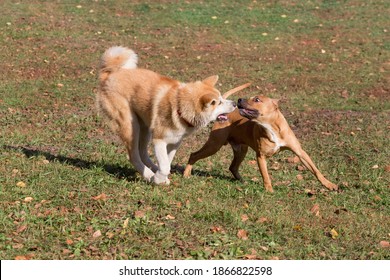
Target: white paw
{"x":159,"y":178}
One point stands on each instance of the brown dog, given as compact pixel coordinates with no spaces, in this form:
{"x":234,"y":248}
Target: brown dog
{"x":257,"y":123}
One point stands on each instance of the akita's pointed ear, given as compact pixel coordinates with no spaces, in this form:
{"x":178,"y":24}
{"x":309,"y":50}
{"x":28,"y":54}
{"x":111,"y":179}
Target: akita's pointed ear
{"x":211,"y":81}
{"x":208,"y":100}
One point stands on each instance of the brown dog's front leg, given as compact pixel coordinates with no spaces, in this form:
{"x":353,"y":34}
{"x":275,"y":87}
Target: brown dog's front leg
{"x":306,"y":160}
{"x":213,"y":144}
{"x":261,"y":161}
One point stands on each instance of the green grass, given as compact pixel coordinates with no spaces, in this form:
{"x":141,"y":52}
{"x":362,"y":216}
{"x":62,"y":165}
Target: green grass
{"x":327,"y":60}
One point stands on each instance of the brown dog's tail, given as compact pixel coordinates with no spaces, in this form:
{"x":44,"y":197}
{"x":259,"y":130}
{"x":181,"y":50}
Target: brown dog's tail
{"x":116,"y":58}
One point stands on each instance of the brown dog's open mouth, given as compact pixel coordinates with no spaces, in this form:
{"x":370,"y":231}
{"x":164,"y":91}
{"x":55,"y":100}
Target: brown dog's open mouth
{"x":249,"y":113}
{"x":222,"y":118}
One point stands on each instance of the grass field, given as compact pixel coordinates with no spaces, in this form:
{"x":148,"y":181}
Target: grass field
{"x":67,"y":190}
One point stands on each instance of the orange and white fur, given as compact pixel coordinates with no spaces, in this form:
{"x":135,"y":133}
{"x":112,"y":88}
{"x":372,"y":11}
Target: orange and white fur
{"x":142,"y":106}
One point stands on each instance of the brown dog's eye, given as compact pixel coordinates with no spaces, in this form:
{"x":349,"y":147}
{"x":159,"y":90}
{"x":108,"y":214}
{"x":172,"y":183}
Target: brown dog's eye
{"x":256,"y":99}
{"x":213,"y":102}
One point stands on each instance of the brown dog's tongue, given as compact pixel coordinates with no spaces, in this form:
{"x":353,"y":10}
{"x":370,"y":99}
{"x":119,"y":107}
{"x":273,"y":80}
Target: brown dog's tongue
{"x":234,"y":90}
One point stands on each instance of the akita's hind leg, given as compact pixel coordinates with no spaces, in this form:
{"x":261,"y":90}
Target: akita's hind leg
{"x":129,"y":131}
{"x":126,"y":125}
{"x":144,"y":140}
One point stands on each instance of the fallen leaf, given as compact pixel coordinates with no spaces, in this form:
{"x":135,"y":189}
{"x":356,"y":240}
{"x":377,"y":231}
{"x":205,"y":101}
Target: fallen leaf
{"x":297,"y":227}
{"x":23,"y":258}
{"x":384,"y":244}
{"x":244,"y":218}
{"x":310,"y":192}
{"x":217,"y":229}
{"x":242,"y":234}
{"x":376,"y":166}
{"x":264,"y":248}
{"x":97,"y":234}
{"x":293,"y":159}
{"x":28,"y":199}
{"x":101,"y":196}
{"x":333,"y":233}
{"x":299,"y":177}
{"x":126,"y":223}
{"x":21,"y":184}
{"x":17,"y":246}
{"x":252,"y":255}
{"x":262,"y":220}
{"x":110,"y":234}
{"x":301,"y":168}
{"x":387,"y":168}
{"x":139,"y":214}
{"x":66,"y":251}
{"x":169,"y":217}
{"x":315,"y":210}
{"x":69,"y":241}
{"x":252,"y":162}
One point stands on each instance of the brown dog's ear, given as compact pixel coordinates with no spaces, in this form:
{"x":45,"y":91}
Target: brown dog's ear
{"x":208,"y":100}
{"x":211,"y":81}
{"x":276,"y":103}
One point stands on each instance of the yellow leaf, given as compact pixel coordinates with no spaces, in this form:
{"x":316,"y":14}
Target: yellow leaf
{"x":110,"y":234}
{"x":126,"y":223}
{"x":28,"y":199}
{"x":333,"y":233}
{"x":21,"y":184}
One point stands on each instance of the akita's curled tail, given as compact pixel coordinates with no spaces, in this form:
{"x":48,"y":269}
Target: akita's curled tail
{"x":116,"y":58}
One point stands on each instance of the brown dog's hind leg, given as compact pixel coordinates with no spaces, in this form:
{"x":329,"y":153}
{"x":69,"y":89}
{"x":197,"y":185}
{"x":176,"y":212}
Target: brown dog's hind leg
{"x":216,"y":140}
{"x":309,"y":164}
{"x":239,"y":152}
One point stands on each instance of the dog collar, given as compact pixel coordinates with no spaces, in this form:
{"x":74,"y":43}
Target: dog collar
{"x":184,"y":120}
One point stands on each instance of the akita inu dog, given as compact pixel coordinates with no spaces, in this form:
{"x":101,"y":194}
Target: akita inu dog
{"x":141,"y":105}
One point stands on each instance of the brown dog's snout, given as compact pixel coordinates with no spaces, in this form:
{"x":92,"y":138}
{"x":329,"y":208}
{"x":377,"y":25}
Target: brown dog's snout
{"x":240,"y":103}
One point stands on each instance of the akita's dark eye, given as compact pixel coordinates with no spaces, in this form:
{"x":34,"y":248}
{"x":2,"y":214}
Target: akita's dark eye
{"x":256,"y":99}
{"x":213,"y":102}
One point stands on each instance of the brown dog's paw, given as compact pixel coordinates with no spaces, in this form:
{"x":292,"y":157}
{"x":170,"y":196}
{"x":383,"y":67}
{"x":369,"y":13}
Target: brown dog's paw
{"x":331,"y":186}
{"x":187,"y":171}
{"x":269,"y":188}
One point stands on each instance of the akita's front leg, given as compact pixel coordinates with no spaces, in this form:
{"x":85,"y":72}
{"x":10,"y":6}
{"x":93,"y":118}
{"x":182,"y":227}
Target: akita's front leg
{"x":164,"y":164}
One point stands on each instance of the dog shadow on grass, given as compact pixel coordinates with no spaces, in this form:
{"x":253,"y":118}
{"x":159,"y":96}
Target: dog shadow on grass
{"x":115,"y":170}
{"x":179,"y":169}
